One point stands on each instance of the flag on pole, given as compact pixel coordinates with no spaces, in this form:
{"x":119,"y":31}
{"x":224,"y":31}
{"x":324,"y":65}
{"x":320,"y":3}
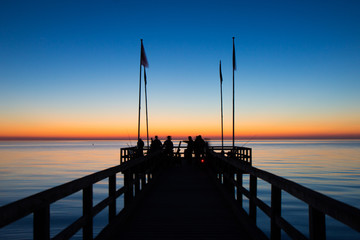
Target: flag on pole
{"x":144,"y":60}
{"x":221,"y":78}
{"x":234,"y":60}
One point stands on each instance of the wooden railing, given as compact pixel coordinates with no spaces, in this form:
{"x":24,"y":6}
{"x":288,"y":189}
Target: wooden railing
{"x":137,"y":174}
{"x":229,"y":173}
{"x":243,"y":154}
{"x":127,"y":154}
{"x":240,"y":153}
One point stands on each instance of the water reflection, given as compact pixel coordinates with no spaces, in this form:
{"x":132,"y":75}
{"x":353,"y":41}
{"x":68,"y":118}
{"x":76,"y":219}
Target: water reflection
{"x":30,"y":167}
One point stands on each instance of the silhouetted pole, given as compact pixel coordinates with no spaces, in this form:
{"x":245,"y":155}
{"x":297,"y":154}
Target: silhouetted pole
{"x":222,"y":116}
{"x":140,"y":89}
{"x":147,"y":119}
{"x":143,"y":62}
{"x":234,"y":68}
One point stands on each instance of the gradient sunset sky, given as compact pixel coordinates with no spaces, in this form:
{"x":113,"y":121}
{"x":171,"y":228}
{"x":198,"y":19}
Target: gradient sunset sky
{"x":70,"y":69}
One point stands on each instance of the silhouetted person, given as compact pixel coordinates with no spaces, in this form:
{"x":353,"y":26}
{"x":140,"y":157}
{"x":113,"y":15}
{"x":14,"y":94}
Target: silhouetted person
{"x":151,"y":145}
{"x":199,"y":147}
{"x":190,"y":148}
{"x":140,"y":148}
{"x":168,"y":144}
{"x":156,"y":144}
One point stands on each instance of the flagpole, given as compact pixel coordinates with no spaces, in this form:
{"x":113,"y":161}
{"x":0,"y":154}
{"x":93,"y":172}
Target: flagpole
{"x":147,"y":121}
{"x":233,"y":139}
{"x":139,"y":92}
{"x":222,"y":116}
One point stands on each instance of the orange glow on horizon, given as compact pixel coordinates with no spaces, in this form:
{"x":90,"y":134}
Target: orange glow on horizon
{"x":208,"y":126}
{"x":180,"y":135}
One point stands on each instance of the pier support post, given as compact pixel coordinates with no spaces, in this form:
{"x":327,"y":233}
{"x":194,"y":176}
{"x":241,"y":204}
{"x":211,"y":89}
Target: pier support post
{"x":275,"y":212}
{"x":128,"y":183}
{"x":42,"y":223}
{"x":87,"y":212}
{"x":316,"y":224}
{"x":239,"y":180}
{"x":252,"y":205}
{"x":112,"y":193}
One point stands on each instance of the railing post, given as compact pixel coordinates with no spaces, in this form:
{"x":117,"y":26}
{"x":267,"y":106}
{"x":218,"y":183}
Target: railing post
{"x":239,"y":180}
{"x":275,"y":211}
{"x":42,"y":223}
{"x":250,"y":156}
{"x":87,"y":212}
{"x":316,"y":224}
{"x":112,"y":193}
{"x":128,"y":183}
{"x":231,"y":181}
{"x":252,"y":205}
{"x":121,"y":154}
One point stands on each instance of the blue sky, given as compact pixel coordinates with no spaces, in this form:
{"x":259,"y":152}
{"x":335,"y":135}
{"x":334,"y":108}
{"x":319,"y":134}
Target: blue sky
{"x":76,"y":63}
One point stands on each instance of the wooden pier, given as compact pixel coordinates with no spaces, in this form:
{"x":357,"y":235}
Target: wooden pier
{"x":183,"y":204}
{"x":172,"y":199}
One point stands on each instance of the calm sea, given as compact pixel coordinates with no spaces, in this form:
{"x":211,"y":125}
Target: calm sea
{"x":331,"y":167}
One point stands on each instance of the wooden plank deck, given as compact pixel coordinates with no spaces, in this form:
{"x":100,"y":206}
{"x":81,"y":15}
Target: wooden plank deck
{"x":183,"y":204}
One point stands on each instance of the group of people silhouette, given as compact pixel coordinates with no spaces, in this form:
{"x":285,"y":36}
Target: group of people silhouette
{"x":197,"y":147}
{"x":156,"y":145}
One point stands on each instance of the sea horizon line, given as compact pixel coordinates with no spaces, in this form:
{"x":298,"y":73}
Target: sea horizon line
{"x":215,"y":138}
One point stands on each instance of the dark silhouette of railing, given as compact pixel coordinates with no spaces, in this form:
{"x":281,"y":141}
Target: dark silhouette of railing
{"x":137,"y":174}
{"x":229,"y":173}
{"x":239,"y":153}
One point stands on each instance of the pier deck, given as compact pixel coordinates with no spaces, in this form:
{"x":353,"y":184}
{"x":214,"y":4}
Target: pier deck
{"x":184,"y":204}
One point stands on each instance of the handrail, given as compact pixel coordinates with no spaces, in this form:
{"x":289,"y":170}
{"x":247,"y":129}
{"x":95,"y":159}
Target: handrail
{"x":21,"y":208}
{"x":319,"y":205}
{"x":240,"y":153}
{"x":137,"y":174}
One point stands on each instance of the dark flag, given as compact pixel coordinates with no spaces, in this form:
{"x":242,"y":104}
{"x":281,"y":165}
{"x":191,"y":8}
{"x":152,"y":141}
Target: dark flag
{"x":234,"y":60}
{"x":221,"y":79}
{"x":144,"y":60}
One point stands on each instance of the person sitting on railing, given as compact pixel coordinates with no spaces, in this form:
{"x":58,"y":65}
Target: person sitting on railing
{"x":168,"y":144}
{"x":190,"y":148}
{"x":140,"y":148}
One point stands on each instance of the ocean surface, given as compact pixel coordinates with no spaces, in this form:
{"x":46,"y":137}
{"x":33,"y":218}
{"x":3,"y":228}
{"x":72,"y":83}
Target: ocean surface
{"x":331,"y":167}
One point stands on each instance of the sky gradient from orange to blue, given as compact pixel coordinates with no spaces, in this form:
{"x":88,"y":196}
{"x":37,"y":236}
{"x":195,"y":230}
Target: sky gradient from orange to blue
{"x":70,"y":69}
